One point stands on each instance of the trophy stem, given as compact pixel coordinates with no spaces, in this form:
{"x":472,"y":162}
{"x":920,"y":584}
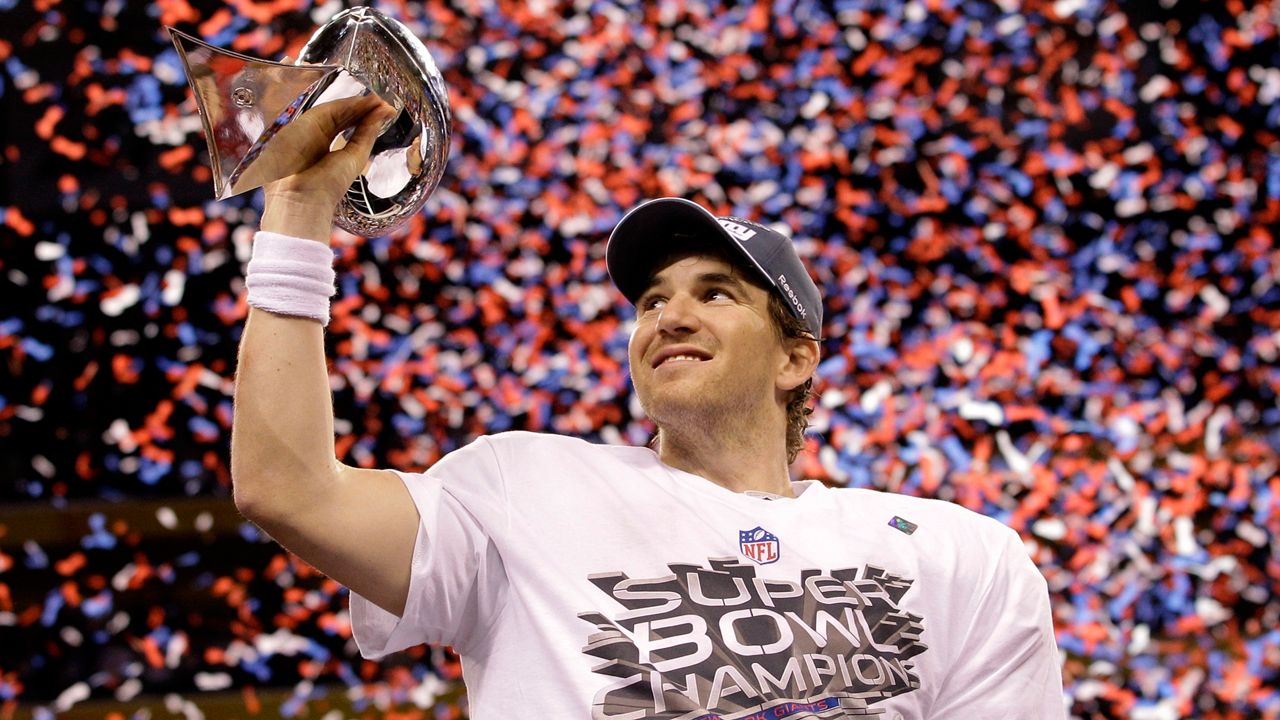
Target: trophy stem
{"x":243,"y":102}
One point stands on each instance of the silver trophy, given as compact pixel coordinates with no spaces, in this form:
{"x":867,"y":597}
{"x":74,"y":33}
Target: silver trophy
{"x":245,"y":103}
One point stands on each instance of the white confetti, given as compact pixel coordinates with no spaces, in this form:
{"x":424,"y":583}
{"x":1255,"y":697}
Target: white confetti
{"x":873,"y":398}
{"x":987,"y":411}
{"x":204,"y":522}
{"x":42,"y":465}
{"x":1067,"y":8}
{"x":72,"y":695}
{"x":175,"y":284}
{"x":47,"y":251}
{"x":121,"y":300}
{"x":1184,"y":538}
{"x":1050,"y":528}
{"x":71,"y":636}
{"x":167,"y":518}
{"x":128,"y":689}
{"x":176,"y":649}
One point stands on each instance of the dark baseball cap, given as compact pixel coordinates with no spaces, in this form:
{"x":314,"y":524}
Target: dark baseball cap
{"x":647,"y":233}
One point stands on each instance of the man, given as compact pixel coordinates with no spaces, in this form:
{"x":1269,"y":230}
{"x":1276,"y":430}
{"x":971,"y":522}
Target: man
{"x":691,"y":580}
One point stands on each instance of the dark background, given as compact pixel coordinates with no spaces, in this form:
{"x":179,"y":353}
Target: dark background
{"x":1045,"y":232}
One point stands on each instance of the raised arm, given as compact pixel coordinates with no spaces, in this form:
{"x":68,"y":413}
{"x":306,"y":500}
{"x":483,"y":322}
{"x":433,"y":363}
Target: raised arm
{"x":357,"y":526}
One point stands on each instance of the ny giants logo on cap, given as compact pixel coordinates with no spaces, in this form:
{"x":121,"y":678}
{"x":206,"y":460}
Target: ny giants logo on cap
{"x":759,"y":545}
{"x":740,"y":232}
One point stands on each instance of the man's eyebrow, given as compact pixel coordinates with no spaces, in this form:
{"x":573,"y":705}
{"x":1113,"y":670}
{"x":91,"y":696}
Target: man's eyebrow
{"x":719,"y":278}
{"x":707,"y":278}
{"x":651,"y":285}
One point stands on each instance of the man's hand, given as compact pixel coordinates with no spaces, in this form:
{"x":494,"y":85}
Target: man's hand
{"x":302,"y":205}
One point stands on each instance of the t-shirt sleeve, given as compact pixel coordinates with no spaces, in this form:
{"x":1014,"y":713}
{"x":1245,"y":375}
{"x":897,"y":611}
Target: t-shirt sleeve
{"x":1008,"y":667}
{"x":457,"y":580}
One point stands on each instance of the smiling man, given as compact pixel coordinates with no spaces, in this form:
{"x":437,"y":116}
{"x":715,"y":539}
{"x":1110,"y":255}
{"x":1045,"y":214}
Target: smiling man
{"x":693,"y":579}
{"x":719,"y":352}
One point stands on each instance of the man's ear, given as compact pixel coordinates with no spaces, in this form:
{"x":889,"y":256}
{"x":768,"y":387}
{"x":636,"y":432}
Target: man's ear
{"x":800,"y":363}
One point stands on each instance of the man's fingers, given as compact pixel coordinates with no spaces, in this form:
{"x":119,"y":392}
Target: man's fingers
{"x":370,"y":127}
{"x":333,"y":117}
{"x":328,"y":174}
{"x":351,"y":158}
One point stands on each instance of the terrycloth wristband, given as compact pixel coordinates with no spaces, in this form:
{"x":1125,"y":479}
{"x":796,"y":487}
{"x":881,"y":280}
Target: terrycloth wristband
{"x":290,"y":276}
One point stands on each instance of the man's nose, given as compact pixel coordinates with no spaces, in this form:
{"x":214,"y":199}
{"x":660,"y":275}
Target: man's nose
{"x":679,"y":316}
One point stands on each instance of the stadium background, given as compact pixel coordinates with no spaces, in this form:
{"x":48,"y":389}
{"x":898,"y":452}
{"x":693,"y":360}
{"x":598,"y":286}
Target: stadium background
{"x":1045,"y":232}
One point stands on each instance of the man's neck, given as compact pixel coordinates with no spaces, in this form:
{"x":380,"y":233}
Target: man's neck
{"x":738,"y":459}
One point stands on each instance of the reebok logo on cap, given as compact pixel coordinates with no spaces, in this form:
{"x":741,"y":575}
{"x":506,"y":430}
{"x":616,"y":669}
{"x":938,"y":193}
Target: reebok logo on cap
{"x":791,"y":295}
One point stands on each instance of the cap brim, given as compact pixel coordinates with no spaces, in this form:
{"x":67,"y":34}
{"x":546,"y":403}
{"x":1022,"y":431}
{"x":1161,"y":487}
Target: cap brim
{"x":650,"y":232}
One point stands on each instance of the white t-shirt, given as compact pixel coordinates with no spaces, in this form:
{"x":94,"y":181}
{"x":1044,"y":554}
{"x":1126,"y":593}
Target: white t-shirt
{"x":590,"y":581}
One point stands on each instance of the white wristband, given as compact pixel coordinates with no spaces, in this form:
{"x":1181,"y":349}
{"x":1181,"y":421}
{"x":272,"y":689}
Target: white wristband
{"x":290,"y":276}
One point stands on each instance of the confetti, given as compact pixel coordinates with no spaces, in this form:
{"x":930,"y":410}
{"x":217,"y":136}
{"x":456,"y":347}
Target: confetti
{"x":1045,"y":237}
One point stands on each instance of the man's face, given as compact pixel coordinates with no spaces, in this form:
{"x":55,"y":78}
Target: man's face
{"x":704,"y":343}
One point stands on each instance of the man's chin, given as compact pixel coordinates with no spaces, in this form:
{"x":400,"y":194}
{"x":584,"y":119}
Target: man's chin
{"x":672,"y":407}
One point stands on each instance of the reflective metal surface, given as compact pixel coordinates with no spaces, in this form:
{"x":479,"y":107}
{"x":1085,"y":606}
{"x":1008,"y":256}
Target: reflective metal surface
{"x":247,"y":104}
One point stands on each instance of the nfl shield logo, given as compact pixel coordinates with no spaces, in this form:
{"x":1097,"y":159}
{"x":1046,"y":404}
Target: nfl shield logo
{"x":759,"y":545}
